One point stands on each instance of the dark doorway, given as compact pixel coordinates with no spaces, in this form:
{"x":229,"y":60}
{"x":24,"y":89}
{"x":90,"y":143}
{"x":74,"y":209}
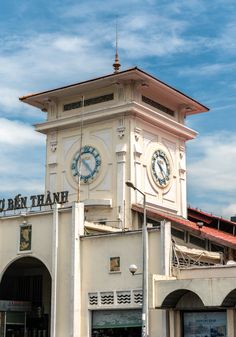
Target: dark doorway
{"x":25,"y":299}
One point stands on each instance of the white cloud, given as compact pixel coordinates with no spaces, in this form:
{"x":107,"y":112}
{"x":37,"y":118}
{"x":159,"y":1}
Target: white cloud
{"x":9,"y":98}
{"x":43,"y":62}
{"x":229,"y":210}
{"x":70,"y":43}
{"x":211,"y":172}
{"x":22,"y":158}
{"x":214,"y":166}
{"x":18,"y":134}
{"x":214,"y":69}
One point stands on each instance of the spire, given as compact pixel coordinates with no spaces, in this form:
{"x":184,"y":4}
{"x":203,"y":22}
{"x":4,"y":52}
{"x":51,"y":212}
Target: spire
{"x":116,"y":64}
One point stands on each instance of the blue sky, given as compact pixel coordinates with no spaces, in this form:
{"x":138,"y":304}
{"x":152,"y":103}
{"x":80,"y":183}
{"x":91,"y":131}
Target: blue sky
{"x":187,"y":44}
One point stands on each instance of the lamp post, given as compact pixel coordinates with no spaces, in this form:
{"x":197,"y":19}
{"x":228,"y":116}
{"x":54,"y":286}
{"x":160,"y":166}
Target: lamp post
{"x":145,"y":315}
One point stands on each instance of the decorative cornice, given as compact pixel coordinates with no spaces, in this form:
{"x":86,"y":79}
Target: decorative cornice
{"x":131,"y":108}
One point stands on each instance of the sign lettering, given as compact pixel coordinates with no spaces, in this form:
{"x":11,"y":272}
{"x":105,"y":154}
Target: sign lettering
{"x":20,"y":202}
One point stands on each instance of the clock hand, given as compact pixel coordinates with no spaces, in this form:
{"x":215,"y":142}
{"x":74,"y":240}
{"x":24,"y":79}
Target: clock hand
{"x":87,"y":166}
{"x":161,"y":169}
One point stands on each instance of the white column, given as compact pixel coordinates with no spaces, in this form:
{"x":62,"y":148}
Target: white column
{"x":54,"y":271}
{"x":183,"y":193}
{"x":230,"y":323}
{"x":77,"y":229}
{"x":139,"y":169}
{"x":171,"y":323}
{"x":182,"y":182}
{"x":177,"y":324}
{"x":165,"y":262}
{"x":165,"y":247}
{"x":121,"y":150}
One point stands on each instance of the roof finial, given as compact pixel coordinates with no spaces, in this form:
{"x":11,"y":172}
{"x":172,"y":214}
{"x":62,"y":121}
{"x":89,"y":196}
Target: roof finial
{"x":116,"y":64}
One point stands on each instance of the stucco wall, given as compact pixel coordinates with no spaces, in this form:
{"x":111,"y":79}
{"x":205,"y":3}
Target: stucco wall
{"x":41,"y":238}
{"x":96,"y":276}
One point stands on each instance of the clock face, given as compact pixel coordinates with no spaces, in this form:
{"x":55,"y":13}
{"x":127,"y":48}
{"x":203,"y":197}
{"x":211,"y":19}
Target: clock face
{"x":161,"y":168}
{"x":86,"y":164}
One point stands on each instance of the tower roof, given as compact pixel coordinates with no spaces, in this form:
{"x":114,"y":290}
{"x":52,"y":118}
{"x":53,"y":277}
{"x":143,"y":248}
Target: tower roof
{"x":176,"y":98}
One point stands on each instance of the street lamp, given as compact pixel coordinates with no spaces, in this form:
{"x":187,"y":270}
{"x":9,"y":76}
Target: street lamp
{"x":145,"y":263}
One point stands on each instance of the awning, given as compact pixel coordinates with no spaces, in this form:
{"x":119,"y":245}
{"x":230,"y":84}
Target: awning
{"x":197,"y":254}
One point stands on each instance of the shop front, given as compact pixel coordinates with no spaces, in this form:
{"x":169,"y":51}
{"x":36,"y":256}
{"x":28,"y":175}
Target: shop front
{"x":199,"y":302}
{"x":13,"y":318}
{"x":116,"y":323}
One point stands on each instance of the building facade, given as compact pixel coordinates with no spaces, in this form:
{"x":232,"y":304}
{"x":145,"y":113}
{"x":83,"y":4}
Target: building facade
{"x":65,"y":254}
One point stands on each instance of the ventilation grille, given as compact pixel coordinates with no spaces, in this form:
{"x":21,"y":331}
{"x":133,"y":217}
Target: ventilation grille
{"x":107,"y":298}
{"x":124,"y":297}
{"x":138,"y":297}
{"x":93,"y":299}
{"x":157,"y":105}
{"x":89,"y":101}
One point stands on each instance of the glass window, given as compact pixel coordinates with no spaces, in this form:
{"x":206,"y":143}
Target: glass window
{"x":204,"y":324}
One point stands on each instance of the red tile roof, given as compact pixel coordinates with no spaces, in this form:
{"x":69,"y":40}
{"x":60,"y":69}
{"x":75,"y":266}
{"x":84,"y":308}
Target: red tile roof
{"x":205,"y":232}
{"x":207,"y":217}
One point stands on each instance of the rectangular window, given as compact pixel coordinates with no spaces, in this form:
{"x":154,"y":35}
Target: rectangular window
{"x":178,"y":233}
{"x":89,"y":101}
{"x":205,"y":324}
{"x":197,"y":241}
{"x":216,"y":248}
{"x":157,"y":105}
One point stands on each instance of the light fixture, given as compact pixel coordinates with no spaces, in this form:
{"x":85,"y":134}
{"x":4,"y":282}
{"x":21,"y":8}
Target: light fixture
{"x":200,"y":224}
{"x":130,"y":184}
{"x":133,"y":268}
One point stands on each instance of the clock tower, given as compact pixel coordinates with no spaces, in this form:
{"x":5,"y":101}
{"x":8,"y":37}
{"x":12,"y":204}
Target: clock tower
{"x":124,"y":126}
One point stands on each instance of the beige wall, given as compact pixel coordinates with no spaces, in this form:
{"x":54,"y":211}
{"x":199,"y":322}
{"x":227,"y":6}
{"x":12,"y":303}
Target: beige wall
{"x":41,"y":235}
{"x":95,"y":254}
{"x":42,"y":249}
{"x":211,"y":284}
{"x":96,"y":276}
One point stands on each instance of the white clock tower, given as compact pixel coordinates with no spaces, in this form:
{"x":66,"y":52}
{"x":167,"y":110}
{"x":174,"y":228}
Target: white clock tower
{"x":105,"y":131}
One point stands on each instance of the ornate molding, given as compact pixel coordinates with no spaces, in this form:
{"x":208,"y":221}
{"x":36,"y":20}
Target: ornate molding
{"x":181,"y":151}
{"x":53,"y":142}
{"x":121,"y":150}
{"x":121,"y":131}
{"x":137,"y":133}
